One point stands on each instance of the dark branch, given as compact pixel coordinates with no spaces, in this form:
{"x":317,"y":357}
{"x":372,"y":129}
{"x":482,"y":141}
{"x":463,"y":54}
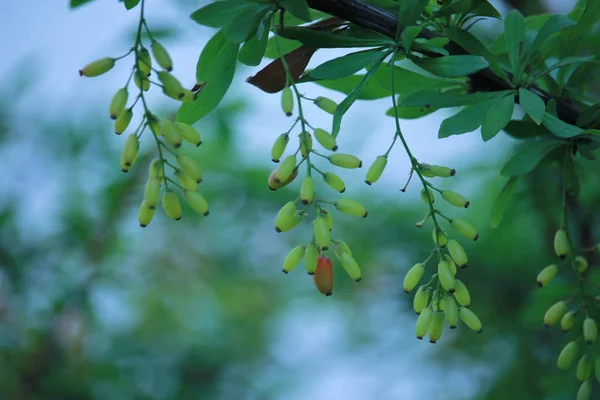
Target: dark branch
{"x":384,"y":22}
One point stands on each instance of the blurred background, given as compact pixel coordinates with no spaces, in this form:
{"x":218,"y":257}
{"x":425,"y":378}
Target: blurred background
{"x":94,"y":307}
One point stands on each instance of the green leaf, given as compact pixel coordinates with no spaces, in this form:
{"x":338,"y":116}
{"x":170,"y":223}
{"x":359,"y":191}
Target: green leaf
{"x":565,"y":61}
{"x":589,"y":116}
{"x":298,"y":8}
{"x":350,"y":99}
{"x":410,"y":11}
{"x":525,"y":130}
{"x":410,"y":112}
{"x":219,"y":13}
{"x":129,"y":4}
{"x":324,"y":40}
{"x":371,"y":90}
{"x":407,"y":82}
{"x":346,"y":65}
{"x":409,"y":35}
{"x":514,"y":35}
{"x":466,"y":120}
{"x":78,"y":3}
{"x":487,"y":10}
{"x":475,"y":47}
{"x":527,"y":159}
{"x":533,"y":105}
{"x":452,"y":66}
{"x":253,"y":50}
{"x":497,"y":117}
{"x":216,"y":67}
{"x":245,"y":24}
{"x":437,"y":100}
{"x":552,"y":26}
{"x":286,"y":46}
{"x":458,"y":7}
{"x":502,"y":201}
{"x":560,"y":128}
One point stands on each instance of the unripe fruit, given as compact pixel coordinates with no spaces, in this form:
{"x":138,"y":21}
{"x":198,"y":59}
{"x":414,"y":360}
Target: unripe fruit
{"x":155,"y":170}
{"x":188,"y":96}
{"x":555,"y":313}
{"x":351,"y":207}
{"x":567,"y":356}
{"x":585,"y":391}
{"x":442,"y":172}
{"x":285,"y":169}
{"x":334,"y":182}
{"x":310,"y":258}
{"x":413,"y":276}
{"x":325,"y":139}
{"x":455,"y":199}
{"x":279,"y":147}
{"x":326,"y":215}
{"x":145,"y":214}
{"x":190,"y":167}
{"x":118,"y":103}
{"x":561,"y":243}
{"x":130,"y":150}
{"x":436,"y":327}
{"x":287,"y":101}
{"x":141,"y":81}
{"x":351,"y":266}
{"x":376,"y":169}
{"x":326,"y":104}
{"x":342,"y":247}
{"x":581,"y":264}
{"x":307,"y":190}
{"x":462,"y":295}
{"x":324,"y":276}
{"x":152,"y":192}
{"x":457,"y":253}
{"x":584,"y":368}
{"x":171,"y":205}
{"x":546,"y":275}
{"x":590,"y":330}
{"x":171,"y":133}
{"x":470,"y":319}
{"x":421,"y":299}
{"x":162,"y":56}
{"x":273,"y":185}
{"x":287,"y":218}
{"x":293,"y":258}
{"x":424,"y":170}
{"x":97,"y":67}
{"x":154,"y":123}
{"x":144,"y":61}
{"x":123,"y":120}
{"x":427,"y":196}
{"x":345,"y":160}
{"x":322,"y":235}
{"x":446,"y":278}
{"x":567,"y":321}
{"x":196,"y":201}
{"x":186,"y":181}
{"x":171,"y":84}
{"x":464,"y":228}
{"x":439,"y":237}
{"x":451,"y":264}
{"x":422,"y":325}
{"x":188,"y":133}
{"x":451,"y":311}
{"x":306,"y":143}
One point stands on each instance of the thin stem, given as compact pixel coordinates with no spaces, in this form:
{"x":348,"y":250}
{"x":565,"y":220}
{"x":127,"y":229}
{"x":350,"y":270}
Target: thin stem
{"x":412,"y":159}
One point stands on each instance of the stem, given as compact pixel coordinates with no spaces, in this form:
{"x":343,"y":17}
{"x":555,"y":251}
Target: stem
{"x":413,"y":161}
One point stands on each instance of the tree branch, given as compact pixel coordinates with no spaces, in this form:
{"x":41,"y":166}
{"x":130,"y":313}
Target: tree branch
{"x":384,"y":22}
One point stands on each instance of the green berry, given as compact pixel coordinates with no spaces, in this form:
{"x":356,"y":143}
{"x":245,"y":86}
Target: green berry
{"x":555,"y":313}
{"x":547,"y":275}
{"x":293,"y":258}
{"x":470,"y":319}
{"x":376,"y":170}
{"x":118,"y":103}
{"x":436,"y":327}
{"x":422,"y":325}
{"x":196,"y":201}
{"x":162,"y":56}
{"x":334,"y":182}
{"x":561,"y":243}
{"x":345,"y":160}
{"x":97,"y":67}
{"x":413,"y":276}
{"x":351,"y":207}
{"x":171,"y":205}
{"x":287,"y":101}
{"x":279,"y":147}
{"x":457,"y":253}
{"x":325,"y":139}
{"x":455,"y":199}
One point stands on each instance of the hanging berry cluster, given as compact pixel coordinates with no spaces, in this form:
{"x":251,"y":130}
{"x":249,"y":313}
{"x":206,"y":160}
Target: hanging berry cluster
{"x":168,"y":135}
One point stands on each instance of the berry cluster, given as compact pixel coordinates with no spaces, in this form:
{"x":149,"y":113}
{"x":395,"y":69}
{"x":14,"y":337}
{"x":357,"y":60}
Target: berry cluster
{"x":168,"y":135}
